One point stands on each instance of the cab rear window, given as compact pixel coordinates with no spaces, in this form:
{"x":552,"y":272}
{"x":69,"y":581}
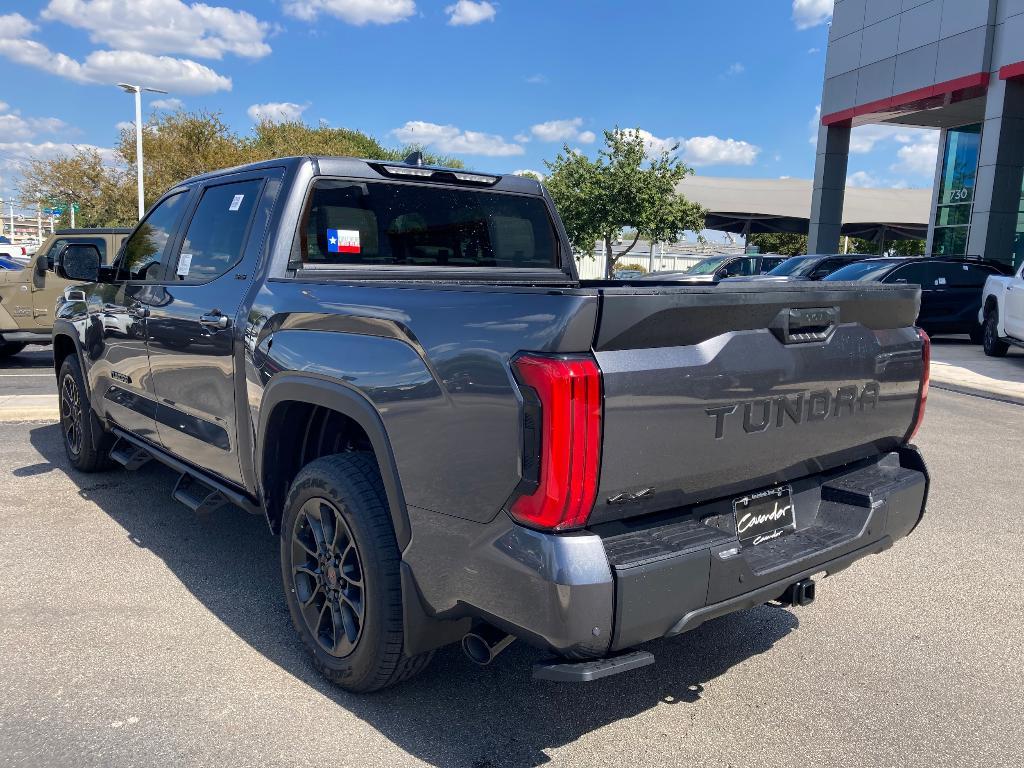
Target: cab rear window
{"x":381,"y":224}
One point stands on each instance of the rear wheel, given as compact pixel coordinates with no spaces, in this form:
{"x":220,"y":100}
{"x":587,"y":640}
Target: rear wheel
{"x":85,"y":447}
{"x":993,"y":345}
{"x":10,"y":348}
{"x":340,"y":567}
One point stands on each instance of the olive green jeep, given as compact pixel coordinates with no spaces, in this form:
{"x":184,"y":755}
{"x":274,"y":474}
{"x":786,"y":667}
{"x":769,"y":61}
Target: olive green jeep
{"x":28,"y":296}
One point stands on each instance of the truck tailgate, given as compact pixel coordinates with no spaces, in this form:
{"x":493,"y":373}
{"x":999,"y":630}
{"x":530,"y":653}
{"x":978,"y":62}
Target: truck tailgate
{"x":721,"y":390}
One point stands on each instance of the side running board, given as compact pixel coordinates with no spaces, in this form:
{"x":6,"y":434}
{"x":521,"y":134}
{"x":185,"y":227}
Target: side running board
{"x":128,"y":455}
{"x":197,"y":495}
{"x":194,"y":489}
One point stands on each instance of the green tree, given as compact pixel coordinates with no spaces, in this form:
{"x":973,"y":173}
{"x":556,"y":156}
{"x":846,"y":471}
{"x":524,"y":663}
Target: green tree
{"x":892,"y":247}
{"x":783,"y":243}
{"x":625,"y":186}
{"x":104,"y":194}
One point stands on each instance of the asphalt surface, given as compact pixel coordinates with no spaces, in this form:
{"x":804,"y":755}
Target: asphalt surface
{"x":30,"y":372}
{"x":134,"y":634}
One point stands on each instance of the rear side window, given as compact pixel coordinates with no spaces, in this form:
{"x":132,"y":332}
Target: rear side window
{"x":380,"y":224}
{"x":217,"y":232}
{"x":966,"y":275}
{"x":914,"y":274}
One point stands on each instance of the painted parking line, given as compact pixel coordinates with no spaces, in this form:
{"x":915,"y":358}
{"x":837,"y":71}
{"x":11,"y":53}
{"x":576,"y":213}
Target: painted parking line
{"x":28,"y":408}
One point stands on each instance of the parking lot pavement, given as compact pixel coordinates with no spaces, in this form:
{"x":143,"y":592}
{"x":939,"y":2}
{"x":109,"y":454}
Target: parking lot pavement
{"x":133,"y":633}
{"x":961,"y":366}
{"x":30,"y":372}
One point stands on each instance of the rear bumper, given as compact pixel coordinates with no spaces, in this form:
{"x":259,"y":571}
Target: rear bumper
{"x":630,"y":582}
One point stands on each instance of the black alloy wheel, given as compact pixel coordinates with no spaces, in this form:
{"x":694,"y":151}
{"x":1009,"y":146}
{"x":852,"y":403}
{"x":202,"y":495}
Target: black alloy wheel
{"x":327,"y":575}
{"x":71,"y":414}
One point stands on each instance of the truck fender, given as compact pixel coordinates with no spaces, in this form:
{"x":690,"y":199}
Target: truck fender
{"x":317,"y":389}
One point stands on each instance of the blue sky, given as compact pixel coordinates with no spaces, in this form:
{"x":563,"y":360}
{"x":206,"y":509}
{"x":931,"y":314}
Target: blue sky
{"x":501,"y":84}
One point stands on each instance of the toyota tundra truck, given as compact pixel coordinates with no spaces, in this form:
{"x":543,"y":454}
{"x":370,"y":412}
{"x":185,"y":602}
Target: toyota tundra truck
{"x":456,"y":439}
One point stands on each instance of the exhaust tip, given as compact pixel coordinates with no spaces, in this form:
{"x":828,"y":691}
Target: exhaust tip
{"x":483,"y":646}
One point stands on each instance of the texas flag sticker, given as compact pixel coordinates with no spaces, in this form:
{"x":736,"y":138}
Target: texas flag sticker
{"x":343,"y":240}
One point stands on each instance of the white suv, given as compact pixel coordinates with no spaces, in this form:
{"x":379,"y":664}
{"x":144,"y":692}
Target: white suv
{"x":1002,"y":313}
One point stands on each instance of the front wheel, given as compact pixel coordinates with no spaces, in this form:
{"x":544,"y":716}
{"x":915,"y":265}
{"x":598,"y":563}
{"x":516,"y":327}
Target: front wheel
{"x":992,"y":344}
{"x":340,"y":567}
{"x":85,"y":447}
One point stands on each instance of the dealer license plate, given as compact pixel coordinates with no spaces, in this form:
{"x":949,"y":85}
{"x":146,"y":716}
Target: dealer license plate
{"x":765,"y":515}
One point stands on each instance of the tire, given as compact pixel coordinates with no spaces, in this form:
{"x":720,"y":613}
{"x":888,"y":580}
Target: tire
{"x":86,"y":450}
{"x":993,"y":345}
{"x":340,"y":569}
{"x":10,"y":348}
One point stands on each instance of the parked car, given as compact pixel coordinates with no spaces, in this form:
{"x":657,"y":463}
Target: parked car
{"x":456,"y":438}
{"x":811,"y":267}
{"x":1002,"y":313}
{"x":7,"y":263}
{"x":28,"y":295}
{"x":715,"y":268}
{"x":950,"y":288}
{"x":16,"y":253}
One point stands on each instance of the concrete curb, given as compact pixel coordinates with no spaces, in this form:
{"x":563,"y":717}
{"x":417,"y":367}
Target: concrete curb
{"x":988,"y":394}
{"x":14,"y":408}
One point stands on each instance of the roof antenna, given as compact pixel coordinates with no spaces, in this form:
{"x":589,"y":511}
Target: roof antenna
{"x":414,"y":158}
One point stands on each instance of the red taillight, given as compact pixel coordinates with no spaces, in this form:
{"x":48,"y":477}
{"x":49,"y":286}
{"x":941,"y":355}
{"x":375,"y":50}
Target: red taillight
{"x":926,"y":376}
{"x":562,"y":449}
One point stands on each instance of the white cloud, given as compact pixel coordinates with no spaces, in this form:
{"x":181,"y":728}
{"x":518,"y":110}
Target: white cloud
{"x":467,"y":12}
{"x":700,"y":151}
{"x":918,"y":157}
{"x":357,"y":12}
{"x":557,"y":130}
{"x":736,"y":68}
{"x":276,"y":112}
{"x":105,"y":67}
{"x":863,"y":138}
{"x":14,"y":25}
{"x":537,"y":79}
{"x":811,"y":13}
{"x":711,"y":150}
{"x":14,"y":155}
{"x":448,"y":138}
{"x":168,"y":105}
{"x":165,"y":26}
{"x":14,"y":127}
{"x":563,"y":130}
{"x":125,"y":125}
{"x":862,"y":179}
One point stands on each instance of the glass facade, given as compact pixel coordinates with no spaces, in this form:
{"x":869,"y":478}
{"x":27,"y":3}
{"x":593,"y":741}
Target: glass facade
{"x":956,"y":191}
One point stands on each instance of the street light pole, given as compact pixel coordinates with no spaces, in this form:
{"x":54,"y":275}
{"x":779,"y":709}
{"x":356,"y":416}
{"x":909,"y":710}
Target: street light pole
{"x":137,"y":90}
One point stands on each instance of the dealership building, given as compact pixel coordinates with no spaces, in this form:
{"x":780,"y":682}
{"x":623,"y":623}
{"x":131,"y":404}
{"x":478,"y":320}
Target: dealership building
{"x":954,"y":65}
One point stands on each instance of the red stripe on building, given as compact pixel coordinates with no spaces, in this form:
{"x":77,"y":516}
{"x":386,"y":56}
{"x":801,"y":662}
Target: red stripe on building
{"x":903,"y":100}
{"x":1012,"y":71}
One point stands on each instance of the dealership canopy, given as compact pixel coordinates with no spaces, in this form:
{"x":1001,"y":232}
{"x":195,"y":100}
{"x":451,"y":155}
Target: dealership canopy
{"x":754,"y":206}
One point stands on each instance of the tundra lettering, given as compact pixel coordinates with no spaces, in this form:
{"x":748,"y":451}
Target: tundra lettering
{"x":759,"y":415}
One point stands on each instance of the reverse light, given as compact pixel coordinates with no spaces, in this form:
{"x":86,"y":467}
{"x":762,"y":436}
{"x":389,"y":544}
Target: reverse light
{"x":926,"y":377}
{"x":562,"y":440}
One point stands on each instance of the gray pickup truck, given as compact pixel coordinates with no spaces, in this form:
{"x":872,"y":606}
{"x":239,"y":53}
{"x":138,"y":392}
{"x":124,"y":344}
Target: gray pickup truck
{"x":457,"y":439}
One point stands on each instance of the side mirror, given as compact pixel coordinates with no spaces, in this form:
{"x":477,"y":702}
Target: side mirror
{"x":78,"y":261}
{"x":39,"y":269}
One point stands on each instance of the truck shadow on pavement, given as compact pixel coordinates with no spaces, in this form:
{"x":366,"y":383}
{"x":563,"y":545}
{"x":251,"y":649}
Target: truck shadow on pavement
{"x":454,"y":714}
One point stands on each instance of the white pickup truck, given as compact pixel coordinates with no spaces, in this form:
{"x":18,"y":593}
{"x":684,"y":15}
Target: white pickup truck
{"x":16,"y":253}
{"x":1002,"y":313}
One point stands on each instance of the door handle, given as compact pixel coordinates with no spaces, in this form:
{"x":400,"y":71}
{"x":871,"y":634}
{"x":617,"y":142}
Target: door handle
{"x":139,"y":312}
{"x":214,"y":320}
